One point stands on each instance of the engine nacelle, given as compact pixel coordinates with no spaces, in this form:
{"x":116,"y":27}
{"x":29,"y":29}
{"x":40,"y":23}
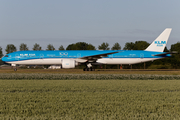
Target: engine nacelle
{"x":68,"y":63}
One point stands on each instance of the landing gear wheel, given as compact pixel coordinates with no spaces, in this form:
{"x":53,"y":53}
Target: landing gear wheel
{"x":88,"y":69}
{"x":85,"y":69}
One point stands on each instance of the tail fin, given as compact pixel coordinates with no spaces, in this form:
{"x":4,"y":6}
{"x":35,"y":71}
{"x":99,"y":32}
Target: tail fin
{"x":160,"y":42}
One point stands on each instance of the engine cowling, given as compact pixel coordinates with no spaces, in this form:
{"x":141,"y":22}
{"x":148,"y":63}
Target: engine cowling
{"x":68,"y":63}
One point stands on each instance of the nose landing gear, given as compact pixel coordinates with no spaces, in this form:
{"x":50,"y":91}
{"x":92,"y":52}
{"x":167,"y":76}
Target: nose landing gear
{"x":15,"y":69}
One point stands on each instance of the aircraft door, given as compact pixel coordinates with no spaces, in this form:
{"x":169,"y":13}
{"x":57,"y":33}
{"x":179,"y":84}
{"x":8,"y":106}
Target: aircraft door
{"x":41,"y":56}
{"x":78,"y":55}
{"x":17,"y":56}
{"x":41,"y":61}
{"x":141,"y":55}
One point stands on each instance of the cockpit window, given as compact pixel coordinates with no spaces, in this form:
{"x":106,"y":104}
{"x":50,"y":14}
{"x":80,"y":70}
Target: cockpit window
{"x":6,"y":56}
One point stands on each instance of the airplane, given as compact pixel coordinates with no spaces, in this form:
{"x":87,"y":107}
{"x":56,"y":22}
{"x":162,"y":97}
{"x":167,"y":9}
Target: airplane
{"x":71,"y":58}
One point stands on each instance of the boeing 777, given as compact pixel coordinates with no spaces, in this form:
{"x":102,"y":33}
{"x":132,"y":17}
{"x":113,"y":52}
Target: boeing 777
{"x":72,"y":58}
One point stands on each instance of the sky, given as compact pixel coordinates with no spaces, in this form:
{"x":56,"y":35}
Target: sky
{"x":63,"y":22}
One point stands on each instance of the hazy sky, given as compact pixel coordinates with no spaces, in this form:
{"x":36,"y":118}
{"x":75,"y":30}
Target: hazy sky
{"x":63,"y":22}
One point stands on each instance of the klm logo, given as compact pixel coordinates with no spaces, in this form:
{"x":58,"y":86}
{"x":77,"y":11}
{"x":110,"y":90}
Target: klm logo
{"x":160,"y":43}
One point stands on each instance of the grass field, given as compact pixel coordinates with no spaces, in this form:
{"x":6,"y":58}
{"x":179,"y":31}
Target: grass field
{"x":98,"y":71}
{"x":90,"y":99}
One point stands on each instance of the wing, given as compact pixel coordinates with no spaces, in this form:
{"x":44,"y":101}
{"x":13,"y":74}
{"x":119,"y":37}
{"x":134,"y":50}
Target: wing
{"x":93,"y":58}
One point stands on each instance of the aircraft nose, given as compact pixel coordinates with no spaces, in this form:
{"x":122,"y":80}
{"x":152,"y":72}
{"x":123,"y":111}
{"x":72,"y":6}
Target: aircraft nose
{"x":2,"y":58}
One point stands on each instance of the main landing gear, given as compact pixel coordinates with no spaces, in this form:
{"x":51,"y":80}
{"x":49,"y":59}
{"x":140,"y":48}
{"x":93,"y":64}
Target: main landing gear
{"x":89,"y":67}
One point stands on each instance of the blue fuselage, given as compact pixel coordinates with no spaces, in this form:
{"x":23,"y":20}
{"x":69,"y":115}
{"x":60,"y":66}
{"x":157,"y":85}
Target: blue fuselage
{"x":130,"y":55}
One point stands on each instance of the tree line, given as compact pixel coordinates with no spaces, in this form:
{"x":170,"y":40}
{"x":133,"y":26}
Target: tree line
{"x":171,"y":63}
{"x":77,"y":46}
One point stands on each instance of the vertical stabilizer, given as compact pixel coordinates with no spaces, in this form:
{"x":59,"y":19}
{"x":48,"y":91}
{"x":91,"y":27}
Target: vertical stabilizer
{"x":160,"y":42}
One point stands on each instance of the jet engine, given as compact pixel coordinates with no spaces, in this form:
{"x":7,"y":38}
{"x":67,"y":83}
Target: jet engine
{"x":68,"y":63}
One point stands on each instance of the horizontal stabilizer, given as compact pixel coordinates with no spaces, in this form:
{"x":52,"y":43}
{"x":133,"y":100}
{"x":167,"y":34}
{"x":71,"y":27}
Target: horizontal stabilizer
{"x":173,"y":52}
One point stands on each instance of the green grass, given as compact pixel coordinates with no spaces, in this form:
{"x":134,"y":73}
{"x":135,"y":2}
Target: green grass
{"x":97,"y":71}
{"x":89,"y":99}
{"x":50,"y":76}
